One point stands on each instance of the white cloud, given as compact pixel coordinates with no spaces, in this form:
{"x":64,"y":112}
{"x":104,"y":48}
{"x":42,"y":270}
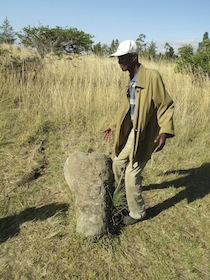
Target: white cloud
{"x":176,"y":44}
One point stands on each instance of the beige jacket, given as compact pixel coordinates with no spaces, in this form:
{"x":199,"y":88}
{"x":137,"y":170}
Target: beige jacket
{"x":153,"y":115}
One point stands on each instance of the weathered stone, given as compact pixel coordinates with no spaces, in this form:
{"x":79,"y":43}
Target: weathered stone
{"x":90,"y":178}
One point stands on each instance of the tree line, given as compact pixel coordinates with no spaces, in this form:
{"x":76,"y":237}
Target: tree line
{"x":60,"y":40}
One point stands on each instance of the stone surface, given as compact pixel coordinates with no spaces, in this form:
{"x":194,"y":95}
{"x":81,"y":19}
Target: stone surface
{"x":90,"y":179}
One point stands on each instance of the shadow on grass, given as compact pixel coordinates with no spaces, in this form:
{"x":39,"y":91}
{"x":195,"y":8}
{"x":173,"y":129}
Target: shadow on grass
{"x":196,"y":183}
{"x":10,"y":226}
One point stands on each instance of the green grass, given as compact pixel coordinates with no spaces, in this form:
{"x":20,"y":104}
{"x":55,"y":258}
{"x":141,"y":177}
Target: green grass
{"x":38,"y":223}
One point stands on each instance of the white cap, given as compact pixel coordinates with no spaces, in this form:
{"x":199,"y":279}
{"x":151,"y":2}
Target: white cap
{"x":126,"y":47}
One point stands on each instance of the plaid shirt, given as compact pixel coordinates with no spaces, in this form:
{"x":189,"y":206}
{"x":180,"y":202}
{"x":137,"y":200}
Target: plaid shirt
{"x":132,"y":95}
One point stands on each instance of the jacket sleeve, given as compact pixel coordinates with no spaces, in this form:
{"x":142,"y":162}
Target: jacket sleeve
{"x":120,"y":112}
{"x":164,"y":105}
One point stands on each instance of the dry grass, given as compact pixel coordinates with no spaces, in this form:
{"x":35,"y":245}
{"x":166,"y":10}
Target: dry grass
{"x":64,"y":106}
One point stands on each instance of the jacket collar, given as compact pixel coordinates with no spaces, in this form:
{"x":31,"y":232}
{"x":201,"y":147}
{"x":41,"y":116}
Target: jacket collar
{"x":141,"y":82}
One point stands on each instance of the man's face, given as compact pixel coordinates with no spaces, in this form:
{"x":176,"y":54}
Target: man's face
{"x":126,"y":61}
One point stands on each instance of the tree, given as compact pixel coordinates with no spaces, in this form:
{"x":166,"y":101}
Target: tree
{"x":114,"y":45}
{"x":201,"y":61}
{"x":196,"y":63}
{"x":7,"y":35}
{"x":186,"y":52}
{"x":205,"y":44}
{"x":202,"y":56}
{"x":100,"y":50}
{"x":141,"y":44}
{"x":56,"y":40}
{"x":97,"y":49}
{"x":151,"y":50}
{"x":169,"y":53}
{"x":184,"y":63}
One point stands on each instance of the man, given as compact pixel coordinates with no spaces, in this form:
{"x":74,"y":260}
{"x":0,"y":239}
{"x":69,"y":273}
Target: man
{"x":141,"y":127}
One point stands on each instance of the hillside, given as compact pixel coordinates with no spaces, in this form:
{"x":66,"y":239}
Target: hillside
{"x":54,"y":107}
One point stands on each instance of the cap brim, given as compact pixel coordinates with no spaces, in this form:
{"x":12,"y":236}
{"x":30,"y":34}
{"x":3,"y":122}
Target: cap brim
{"x":118,"y":53}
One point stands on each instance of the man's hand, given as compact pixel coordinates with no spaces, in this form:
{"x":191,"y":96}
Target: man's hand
{"x":108,"y":134}
{"x":160,"y":140}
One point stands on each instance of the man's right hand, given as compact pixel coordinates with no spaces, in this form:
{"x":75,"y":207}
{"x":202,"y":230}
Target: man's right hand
{"x":108,"y":134}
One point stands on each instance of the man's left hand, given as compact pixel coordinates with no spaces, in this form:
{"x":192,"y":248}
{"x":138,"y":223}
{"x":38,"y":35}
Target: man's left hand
{"x":160,"y":140}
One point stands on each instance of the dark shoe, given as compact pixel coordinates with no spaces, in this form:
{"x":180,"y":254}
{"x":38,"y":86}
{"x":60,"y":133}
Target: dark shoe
{"x":128,"y":220}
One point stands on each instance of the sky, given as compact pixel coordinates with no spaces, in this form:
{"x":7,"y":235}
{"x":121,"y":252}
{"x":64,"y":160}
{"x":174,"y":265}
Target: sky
{"x":177,"y":22}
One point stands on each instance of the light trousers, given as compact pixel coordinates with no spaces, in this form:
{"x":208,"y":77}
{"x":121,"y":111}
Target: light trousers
{"x":122,"y":166}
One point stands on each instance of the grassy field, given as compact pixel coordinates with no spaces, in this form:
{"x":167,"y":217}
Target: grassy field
{"x":59,"y":106}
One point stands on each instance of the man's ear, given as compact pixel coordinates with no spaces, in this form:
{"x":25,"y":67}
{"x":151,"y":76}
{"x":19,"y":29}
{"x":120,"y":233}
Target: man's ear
{"x":134,"y":58}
